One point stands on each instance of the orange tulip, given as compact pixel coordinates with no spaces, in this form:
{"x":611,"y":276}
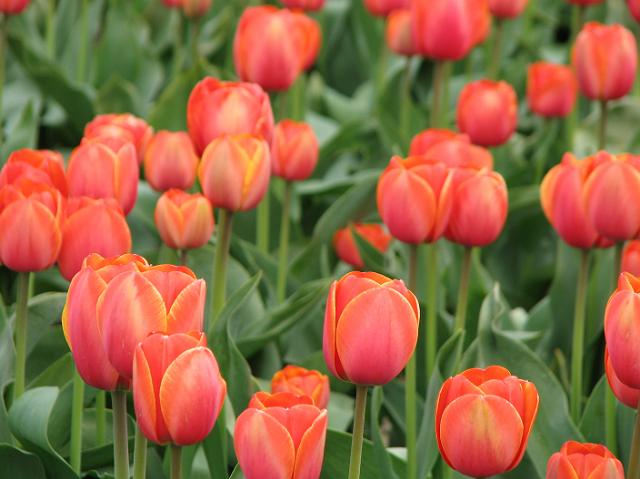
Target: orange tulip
{"x":483,"y":420}
{"x":424,"y":140}
{"x":383,"y":8}
{"x":507,"y":8}
{"x":38,"y":166}
{"x":196,"y":8}
{"x":345,"y":244}
{"x":302,"y":382}
{"x":584,"y":461}
{"x":170,"y":161}
{"x":459,"y":153}
{"x":184,"y":221}
{"x":626,"y":395}
{"x":217,"y":108}
{"x":414,"y":198}
{"x":631,"y":258}
{"x":125,"y":125}
{"x":359,"y":307}
{"x":163,"y":299}
{"x":398,"y":33}
{"x":178,"y":391}
{"x":281,"y":436}
{"x":13,"y":7}
{"x":30,"y":225}
{"x":308,"y":37}
{"x":307,"y":5}
{"x":551,"y":89}
{"x":295,"y":150}
{"x":92,"y":226}
{"x":634,"y":9}
{"x":80,"y":324}
{"x":96,"y":171}
{"x":605,"y":59}
{"x":487,"y":112}
{"x":235,"y":172}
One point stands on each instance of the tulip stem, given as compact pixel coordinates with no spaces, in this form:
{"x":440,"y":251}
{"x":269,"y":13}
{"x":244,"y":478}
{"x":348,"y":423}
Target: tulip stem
{"x":634,"y":455}
{"x":195,"y":48}
{"x":284,"y":242}
{"x":262,"y":225}
{"x":358,"y":432}
{"x":431,"y":330}
{"x":463,"y":290}
{"x":578,"y":337}
{"x":101,"y":418}
{"x":120,"y":436}
{"x":219,"y":283}
{"x":602,"y":134}
{"x":20,"y":328}
{"x":439,"y":71}
{"x":405,"y":102}
{"x":410,"y":382}
{"x":182,"y":256}
{"x":177,"y":43}
{"x":496,"y":53}
{"x":140,"y":455}
{"x":51,"y":28}
{"x":81,"y":66}
{"x":76,"y":422}
{"x":577,"y":20}
{"x":176,"y":462}
{"x":3,"y":52}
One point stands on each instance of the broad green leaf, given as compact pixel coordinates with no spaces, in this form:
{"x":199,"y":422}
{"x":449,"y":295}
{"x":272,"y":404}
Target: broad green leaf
{"x":19,"y":464}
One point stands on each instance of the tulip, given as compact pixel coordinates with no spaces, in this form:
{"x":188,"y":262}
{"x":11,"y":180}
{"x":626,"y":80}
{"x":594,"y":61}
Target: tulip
{"x":184,"y":221}
{"x":631,"y":258}
{"x":584,"y":461}
{"x":398,"y":33}
{"x":235,"y":171}
{"x":585,"y":3}
{"x":295,"y":150}
{"x":96,"y":171}
{"x":507,"y":8}
{"x":345,"y":244}
{"x":625,"y":394}
{"x":38,"y":166}
{"x":280,"y":436}
{"x":217,"y":108}
{"x":605,"y":60}
{"x":487,"y":112}
{"x":634,"y":9}
{"x":414,"y":198}
{"x":92,"y":226}
{"x":172,"y":3}
{"x":302,"y":382}
{"x":308,"y":37}
{"x":483,"y":420}
{"x":424,"y":140}
{"x":459,"y":153}
{"x":308,"y":5}
{"x":551,"y":89}
{"x":178,"y":391}
{"x":196,"y":8}
{"x":170,"y":161}
{"x":383,"y":8}
{"x":13,"y":7}
{"x":132,"y":128}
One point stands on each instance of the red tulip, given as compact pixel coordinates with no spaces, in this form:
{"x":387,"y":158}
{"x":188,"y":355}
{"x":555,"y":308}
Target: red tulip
{"x":170,"y":161}
{"x":424,"y":140}
{"x":459,"y":153}
{"x":308,"y":36}
{"x":184,"y":221}
{"x":178,"y":391}
{"x":281,"y":436}
{"x":414,"y":198}
{"x":507,"y":8}
{"x":172,"y":3}
{"x":345,"y":244}
{"x":551,"y":89}
{"x":217,"y":108}
{"x":585,"y":3}
{"x":196,"y":8}
{"x":92,"y":226}
{"x":302,"y":382}
{"x":605,"y":59}
{"x":487,"y":112}
{"x":634,"y":8}
{"x":13,"y":7}
{"x":308,"y":5}
{"x":125,"y":125}
{"x":360,"y":306}
{"x":38,"y":166}
{"x":631,"y":258}
{"x":295,"y":150}
{"x":483,"y":420}
{"x":398,"y":33}
{"x":584,"y":461}
{"x":383,"y":8}
{"x":625,"y":394}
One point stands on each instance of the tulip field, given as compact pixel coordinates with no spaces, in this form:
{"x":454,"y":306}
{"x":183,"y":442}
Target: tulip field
{"x":319,"y":239}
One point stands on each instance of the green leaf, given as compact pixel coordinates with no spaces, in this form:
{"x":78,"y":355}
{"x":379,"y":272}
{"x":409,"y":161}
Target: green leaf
{"x":382,"y":457}
{"x":24,"y":132}
{"x":169,"y":112}
{"x":19,"y":464}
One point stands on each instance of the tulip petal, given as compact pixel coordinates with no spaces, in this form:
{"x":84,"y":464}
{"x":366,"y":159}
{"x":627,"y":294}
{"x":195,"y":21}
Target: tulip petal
{"x":310,"y":453}
{"x":560,"y":467}
{"x":187,"y":311}
{"x":144,"y":398}
{"x":622,"y":333}
{"x":329,"y":335}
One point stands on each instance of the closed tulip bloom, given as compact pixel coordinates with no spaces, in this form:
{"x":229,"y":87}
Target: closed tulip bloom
{"x":308,"y":36}
{"x":294,"y":151}
{"x":414,"y":198}
{"x":38,"y":166}
{"x":347,"y":249}
{"x":184,"y":221}
{"x":164,"y":299}
{"x":488,"y":112}
{"x":235,"y":172}
{"x":196,"y":8}
{"x":551,"y":89}
{"x":126,"y":125}
{"x":178,"y":391}
{"x":281,"y":437}
{"x":307,"y":5}
{"x":626,"y":395}
{"x":631,"y":258}
{"x":359,"y":307}
{"x":80,"y":324}
{"x":13,"y":7}
{"x":302,"y":382}
{"x":483,"y":420}
{"x":585,"y":3}
{"x":584,"y":461}
{"x":382,"y":8}
{"x":92,"y":226}
{"x":459,"y":153}
{"x":96,"y":171}
{"x":634,"y":8}
{"x":218,"y":108}
{"x":605,"y":59}
{"x":398,"y":33}
{"x":170,"y":161}
{"x":507,"y":8}
{"x":424,"y":140}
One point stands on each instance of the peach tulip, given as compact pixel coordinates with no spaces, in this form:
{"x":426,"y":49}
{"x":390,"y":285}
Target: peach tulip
{"x":170,"y":161}
{"x":626,"y":395}
{"x":295,"y":150}
{"x":184,"y":221}
{"x":584,"y":461}
{"x":302,"y":382}
{"x":398,"y":33}
{"x":631,"y":258}
{"x":39,"y":166}
{"x":124,"y":125}
{"x":459,"y":153}
{"x":507,"y":8}
{"x":424,"y":140}
{"x":551,"y":89}
{"x":345,"y":244}
{"x":307,"y":5}
{"x":13,"y":7}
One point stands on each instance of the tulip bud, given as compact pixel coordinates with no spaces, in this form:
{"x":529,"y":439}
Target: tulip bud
{"x":345,"y":244}
{"x":383,"y":8}
{"x":626,"y":395}
{"x":551,"y":89}
{"x":13,"y":7}
{"x":398,"y":33}
{"x":178,"y":391}
{"x":184,"y":221}
{"x":196,"y":8}
{"x":295,"y":150}
{"x":605,"y":59}
{"x":507,"y":8}
{"x":424,"y":140}
{"x":459,"y":153}
{"x":584,"y":461}
{"x":414,"y":198}
{"x":634,"y":9}
{"x":125,"y":125}
{"x":307,"y":5}
{"x":307,"y":35}
{"x":483,"y":420}
{"x":631,"y":258}
{"x":360,"y":305}
{"x":217,"y":108}
{"x":38,"y":166}
{"x":487,"y":112}
{"x":92,"y":226}
{"x":302,"y":382}
{"x":293,"y":430}
{"x":170,"y":161}
{"x":235,"y":172}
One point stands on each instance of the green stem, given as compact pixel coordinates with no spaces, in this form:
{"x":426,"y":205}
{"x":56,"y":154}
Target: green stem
{"x":76,"y":422}
{"x":358,"y":432}
{"x":84,"y":43}
{"x":602,"y":134}
{"x":405,"y":102}
{"x":195,"y":47}
{"x":438,"y":86}
{"x":140,"y":455}
{"x":446,"y":77}
{"x":284,"y":242}
{"x":178,"y":54}
{"x":101,"y":418}
{"x":578,"y":337}
{"x":120,"y":437}
{"x":463,"y":290}
{"x":297,"y":93}
{"x":221,"y":259}
{"x":577,"y":20}
{"x":51,"y":28}
{"x":496,"y":53}
{"x":431,"y":330}
{"x":381,"y":70}
{"x":3,"y":52}
{"x":183,"y":256}
{"x":262,"y":226}
{"x":410,"y":383}
{"x":634,"y":455}
{"x":176,"y":462}
{"x":20,"y":327}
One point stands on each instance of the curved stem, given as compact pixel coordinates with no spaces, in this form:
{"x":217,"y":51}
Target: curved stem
{"x":438,"y":86}
{"x":496,"y":54}
{"x":602,"y":133}
{"x":358,"y":432}
{"x":20,"y":328}
{"x":84,"y":43}
{"x":101,"y":418}
{"x":76,"y":422}
{"x":218,"y":285}
{"x":431,"y":330}
{"x":463,"y":291}
{"x":176,"y":462}
{"x":578,"y":337}
{"x":410,"y":383}
{"x":120,"y":437}
{"x":634,"y":455}
{"x":284,"y":242}
{"x":140,"y":455}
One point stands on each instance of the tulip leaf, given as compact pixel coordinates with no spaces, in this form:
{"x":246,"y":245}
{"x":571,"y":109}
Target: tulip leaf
{"x":23,"y":133}
{"x":169,"y":111}
{"x":19,"y":464}
{"x":382,"y":457}
{"x":371,"y":257}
